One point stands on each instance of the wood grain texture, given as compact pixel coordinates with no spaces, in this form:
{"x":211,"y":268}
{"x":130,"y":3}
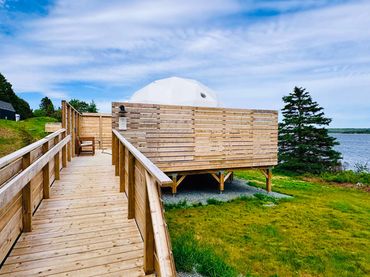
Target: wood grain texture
{"x":98,"y":126}
{"x":184,"y":138}
{"x":81,"y":230}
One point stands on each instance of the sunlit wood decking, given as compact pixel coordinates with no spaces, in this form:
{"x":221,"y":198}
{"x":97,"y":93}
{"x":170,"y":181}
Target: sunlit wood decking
{"x":82,"y":229}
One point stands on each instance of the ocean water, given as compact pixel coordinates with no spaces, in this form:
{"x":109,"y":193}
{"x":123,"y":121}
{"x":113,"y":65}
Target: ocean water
{"x":355,"y":148}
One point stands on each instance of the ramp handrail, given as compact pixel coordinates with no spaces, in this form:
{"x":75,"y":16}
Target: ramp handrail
{"x":140,"y":180}
{"x":25,"y":179}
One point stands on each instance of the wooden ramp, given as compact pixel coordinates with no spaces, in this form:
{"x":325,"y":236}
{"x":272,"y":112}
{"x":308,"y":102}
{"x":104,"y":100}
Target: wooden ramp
{"x":82,"y":229}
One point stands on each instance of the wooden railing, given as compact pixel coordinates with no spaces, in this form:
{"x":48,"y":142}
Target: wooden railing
{"x":25,"y":179}
{"x":140,"y":180}
{"x":71,"y":119}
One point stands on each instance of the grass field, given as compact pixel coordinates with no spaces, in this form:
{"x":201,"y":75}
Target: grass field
{"x":323,"y":231}
{"x":15,"y":135}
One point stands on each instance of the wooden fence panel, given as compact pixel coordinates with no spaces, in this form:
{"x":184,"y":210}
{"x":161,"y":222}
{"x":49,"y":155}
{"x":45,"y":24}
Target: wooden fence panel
{"x":184,"y":138}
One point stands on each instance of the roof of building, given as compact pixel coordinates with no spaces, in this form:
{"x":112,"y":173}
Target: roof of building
{"x":176,"y":91}
{"x":6,"y":106}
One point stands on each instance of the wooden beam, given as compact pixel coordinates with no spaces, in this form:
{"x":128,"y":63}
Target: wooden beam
{"x":216,"y":177}
{"x":148,"y":237}
{"x":100,"y":132}
{"x":11,"y":188}
{"x":57,"y":162}
{"x":222,"y":181}
{"x":269,"y":180}
{"x":121,"y":167}
{"x":116,"y":156}
{"x":161,"y":236}
{"x":228,"y":175}
{"x":27,"y":197}
{"x":174,"y":184}
{"x":69,"y":145}
{"x":73,"y":134}
{"x":131,"y":186}
{"x":113,"y":150}
{"x":46,"y":175}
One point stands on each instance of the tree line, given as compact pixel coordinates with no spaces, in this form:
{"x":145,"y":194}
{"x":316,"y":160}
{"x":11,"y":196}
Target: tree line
{"x":304,"y":142}
{"x":46,"y":107}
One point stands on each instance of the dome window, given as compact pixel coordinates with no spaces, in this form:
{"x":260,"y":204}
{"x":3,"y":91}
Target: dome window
{"x":203,"y":95}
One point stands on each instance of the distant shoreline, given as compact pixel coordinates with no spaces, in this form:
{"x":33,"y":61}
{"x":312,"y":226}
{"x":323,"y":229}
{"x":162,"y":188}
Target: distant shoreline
{"x":349,"y":130}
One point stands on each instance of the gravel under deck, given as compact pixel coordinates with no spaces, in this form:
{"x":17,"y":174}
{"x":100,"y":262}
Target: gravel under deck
{"x":200,"y":188}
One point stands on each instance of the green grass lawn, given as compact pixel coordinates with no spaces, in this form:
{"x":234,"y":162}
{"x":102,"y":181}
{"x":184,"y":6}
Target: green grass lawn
{"x":323,"y":231}
{"x":15,"y":135}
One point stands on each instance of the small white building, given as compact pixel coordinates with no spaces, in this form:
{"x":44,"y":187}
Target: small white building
{"x":176,"y":91}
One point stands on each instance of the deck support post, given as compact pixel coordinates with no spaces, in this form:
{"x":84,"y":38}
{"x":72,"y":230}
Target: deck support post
{"x":131,"y":186}
{"x":46,"y":174}
{"x":269,"y":180}
{"x":27,"y":198}
{"x":121,"y":167}
{"x":176,"y":183}
{"x":267,"y":172}
{"x":148,"y":237}
{"x":221,"y":178}
{"x":222,"y":181}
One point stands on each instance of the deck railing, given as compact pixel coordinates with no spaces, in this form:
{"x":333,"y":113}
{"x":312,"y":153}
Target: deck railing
{"x":71,"y":121}
{"x":25,"y":179}
{"x":140,"y":180}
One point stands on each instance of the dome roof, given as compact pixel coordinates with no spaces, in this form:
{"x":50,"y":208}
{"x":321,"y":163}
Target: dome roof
{"x":176,"y":91}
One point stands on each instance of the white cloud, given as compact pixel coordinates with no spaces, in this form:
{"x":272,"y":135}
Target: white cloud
{"x":251,"y":63}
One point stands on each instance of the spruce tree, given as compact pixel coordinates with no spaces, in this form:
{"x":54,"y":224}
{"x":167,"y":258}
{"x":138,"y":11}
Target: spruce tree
{"x":304,"y":143}
{"x":47,"y":106}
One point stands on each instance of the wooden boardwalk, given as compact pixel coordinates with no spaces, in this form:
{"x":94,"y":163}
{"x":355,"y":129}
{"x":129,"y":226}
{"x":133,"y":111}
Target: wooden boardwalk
{"x":82,"y":230}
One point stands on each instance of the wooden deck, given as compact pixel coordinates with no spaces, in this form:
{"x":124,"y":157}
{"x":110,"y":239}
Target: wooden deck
{"x":82,"y":229}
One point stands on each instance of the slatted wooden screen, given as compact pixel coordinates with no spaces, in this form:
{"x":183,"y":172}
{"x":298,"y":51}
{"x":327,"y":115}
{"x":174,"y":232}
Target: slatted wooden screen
{"x":99,"y":126}
{"x":184,"y":138}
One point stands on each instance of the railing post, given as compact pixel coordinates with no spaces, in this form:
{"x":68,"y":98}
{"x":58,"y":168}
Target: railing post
{"x":46,"y":174}
{"x":131,"y":186}
{"x":73,"y":133}
{"x":121,"y":167}
{"x":27,"y":198}
{"x":64,"y":152}
{"x":56,"y":161}
{"x":116,"y":156}
{"x":69,"y":148}
{"x":148,"y":237}
{"x":113,"y":150}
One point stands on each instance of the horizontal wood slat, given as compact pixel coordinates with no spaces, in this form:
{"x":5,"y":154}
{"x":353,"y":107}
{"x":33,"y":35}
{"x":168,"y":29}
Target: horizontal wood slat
{"x":184,"y":138}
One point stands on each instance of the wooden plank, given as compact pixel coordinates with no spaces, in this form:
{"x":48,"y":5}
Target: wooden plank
{"x":27,"y":197}
{"x":161,"y":237}
{"x":77,"y":233}
{"x":131,"y":186}
{"x":121,"y":167}
{"x":11,"y":188}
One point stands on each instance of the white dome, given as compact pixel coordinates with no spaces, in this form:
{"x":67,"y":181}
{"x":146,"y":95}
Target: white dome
{"x":176,"y":91}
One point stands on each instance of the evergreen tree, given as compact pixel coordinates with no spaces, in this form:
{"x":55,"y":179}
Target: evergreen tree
{"x":7,"y":94}
{"x":47,"y":106}
{"x":84,"y":107}
{"x":304,"y":143}
{"x":92,"y":107}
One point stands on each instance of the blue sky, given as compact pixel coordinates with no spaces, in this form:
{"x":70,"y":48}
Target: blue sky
{"x":250,"y":52}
